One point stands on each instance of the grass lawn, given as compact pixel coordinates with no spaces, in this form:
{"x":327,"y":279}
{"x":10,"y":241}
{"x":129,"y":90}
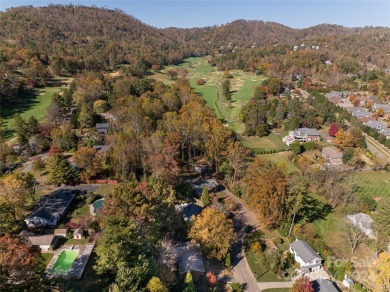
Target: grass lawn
{"x":375,"y":184}
{"x":76,"y":241}
{"x":34,"y":105}
{"x":46,"y":257}
{"x":90,"y":281}
{"x":260,"y":273}
{"x":105,"y":189}
{"x":271,"y":142}
{"x":280,"y":159}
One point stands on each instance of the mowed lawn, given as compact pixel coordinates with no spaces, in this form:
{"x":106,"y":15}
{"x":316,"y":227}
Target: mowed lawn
{"x":259,"y":271}
{"x":35,"y":106}
{"x":374,"y":184}
{"x":281,"y":159}
{"x":271,"y":142}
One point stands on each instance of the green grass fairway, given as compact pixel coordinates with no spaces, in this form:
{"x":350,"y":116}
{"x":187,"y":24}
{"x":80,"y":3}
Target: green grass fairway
{"x":374,"y":184}
{"x":242,"y":86}
{"x":280,"y":159}
{"x":34,"y":105}
{"x":64,"y":262}
{"x":271,"y":142}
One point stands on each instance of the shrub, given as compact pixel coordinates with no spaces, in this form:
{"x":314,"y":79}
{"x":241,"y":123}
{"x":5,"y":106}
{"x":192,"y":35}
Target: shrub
{"x":309,"y":146}
{"x":200,"y":81}
{"x":228,"y":260}
{"x":278,"y":240}
{"x":236,"y":287}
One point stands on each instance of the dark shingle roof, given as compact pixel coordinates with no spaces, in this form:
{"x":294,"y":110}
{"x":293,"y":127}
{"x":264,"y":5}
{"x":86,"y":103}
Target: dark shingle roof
{"x":102,"y":125}
{"x":53,"y":204}
{"x":323,"y":285}
{"x":41,"y":239}
{"x":304,"y":250}
{"x":189,"y":210}
{"x":189,"y":258}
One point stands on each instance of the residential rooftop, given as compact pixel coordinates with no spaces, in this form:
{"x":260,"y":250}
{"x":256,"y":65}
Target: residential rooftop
{"x":304,"y":250}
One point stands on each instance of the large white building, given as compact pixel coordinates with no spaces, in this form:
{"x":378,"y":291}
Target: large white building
{"x":306,"y":256}
{"x":302,"y":135}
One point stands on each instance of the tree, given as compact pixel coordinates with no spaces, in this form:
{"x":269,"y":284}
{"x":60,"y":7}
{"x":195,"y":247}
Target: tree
{"x":189,"y":283}
{"x":382,"y":223}
{"x":348,"y":154}
{"x":333,"y":128}
{"x":60,"y":170}
{"x":354,"y":235}
{"x":20,"y":265}
{"x":226,"y":90}
{"x":236,"y":156}
{"x":213,"y":231}
{"x":297,"y":148}
{"x":205,"y":197}
{"x":90,"y":160}
{"x":211,"y":279}
{"x":381,"y":272}
{"x":123,"y":255}
{"x":302,"y":285}
{"x":14,"y":193}
{"x":21,"y":130}
{"x":380,"y":112}
{"x":266,"y":191}
{"x":155,"y":285}
{"x":172,"y":73}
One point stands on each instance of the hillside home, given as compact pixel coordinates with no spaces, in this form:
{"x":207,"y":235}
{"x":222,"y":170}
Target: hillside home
{"x":302,"y":135}
{"x":102,"y":128}
{"x":306,"y":256}
{"x":190,"y":259}
{"x":50,"y":209}
{"x":385,"y":107}
{"x":188,"y":210}
{"x":332,"y":155}
{"x":45,"y":242}
{"x":363,"y":222}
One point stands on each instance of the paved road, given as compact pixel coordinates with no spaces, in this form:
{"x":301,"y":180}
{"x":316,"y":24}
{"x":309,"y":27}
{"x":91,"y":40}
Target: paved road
{"x":274,"y":285}
{"x":241,"y":270}
{"x":377,"y":148}
{"x":28,"y":165}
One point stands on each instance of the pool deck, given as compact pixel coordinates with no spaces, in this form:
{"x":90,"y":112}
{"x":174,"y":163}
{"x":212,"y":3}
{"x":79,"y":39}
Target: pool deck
{"x":79,"y":264}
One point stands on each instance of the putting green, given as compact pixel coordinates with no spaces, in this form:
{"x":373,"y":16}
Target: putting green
{"x":64,"y":262}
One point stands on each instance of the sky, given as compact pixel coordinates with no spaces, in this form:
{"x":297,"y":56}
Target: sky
{"x":186,"y":13}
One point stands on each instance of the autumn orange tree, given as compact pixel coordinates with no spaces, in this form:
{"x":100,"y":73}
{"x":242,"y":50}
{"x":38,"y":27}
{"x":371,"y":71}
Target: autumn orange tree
{"x":381,"y":272}
{"x":266,"y":191}
{"x":90,"y":160}
{"x":19,"y":265}
{"x":302,"y":285}
{"x":213,"y":231}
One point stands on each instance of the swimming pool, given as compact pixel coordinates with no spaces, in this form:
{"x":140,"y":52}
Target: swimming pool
{"x":97,"y":205}
{"x":64,"y":262}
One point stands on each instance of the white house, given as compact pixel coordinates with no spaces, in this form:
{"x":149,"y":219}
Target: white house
{"x":363,"y":222}
{"x":306,"y":256}
{"x":302,"y":135}
{"x":50,"y":209}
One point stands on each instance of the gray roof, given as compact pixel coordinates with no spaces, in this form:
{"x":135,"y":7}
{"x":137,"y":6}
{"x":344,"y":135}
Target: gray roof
{"x":102,"y":148}
{"x":188,"y":210}
{"x":60,"y":231}
{"x":189,"y":258}
{"x":102,"y":125}
{"x":359,"y":114}
{"x":324,"y":285}
{"x":309,"y":131}
{"x":53,"y":204}
{"x":197,"y":186}
{"x":304,"y":250}
{"x":78,"y":231}
{"x":41,"y":239}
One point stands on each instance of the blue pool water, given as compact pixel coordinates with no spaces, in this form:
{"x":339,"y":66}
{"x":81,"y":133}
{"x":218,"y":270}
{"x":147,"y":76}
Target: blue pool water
{"x":98,"y":205}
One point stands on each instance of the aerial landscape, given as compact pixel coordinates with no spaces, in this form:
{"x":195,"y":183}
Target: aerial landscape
{"x":195,"y":146}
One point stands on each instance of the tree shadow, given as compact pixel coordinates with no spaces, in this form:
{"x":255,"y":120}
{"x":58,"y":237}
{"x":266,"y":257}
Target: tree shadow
{"x":314,"y":210}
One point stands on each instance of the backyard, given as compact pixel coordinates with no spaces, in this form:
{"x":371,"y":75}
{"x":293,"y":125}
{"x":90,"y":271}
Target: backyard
{"x":375,"y":184}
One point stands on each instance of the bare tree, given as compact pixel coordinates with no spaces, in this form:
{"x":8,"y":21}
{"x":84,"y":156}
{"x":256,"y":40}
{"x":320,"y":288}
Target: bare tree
{"x":354,"y":235}
{"x":168,"y":254}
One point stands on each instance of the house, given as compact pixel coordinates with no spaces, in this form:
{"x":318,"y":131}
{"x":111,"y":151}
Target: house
{"x":210,"y":184}
{"x":324,"y":285}
{"x":45,"y":242}
{"x":363,"y":222}
{"x":188,"y":210}
{"x":78,"y":233}
{"x":61,"y":232}
{"x":102,"y":148}
{"x":386,"y":133}
{"x":102,"y":128}
{"x":377,"y":125}
{"x":332,"y":155}
{"x":306,"y":256}
{"x":190,"y":259}
{"x":50,"y":209}
{"x":347,"y":282}
{"x":302,"y":135}
{"x":385,"y":107}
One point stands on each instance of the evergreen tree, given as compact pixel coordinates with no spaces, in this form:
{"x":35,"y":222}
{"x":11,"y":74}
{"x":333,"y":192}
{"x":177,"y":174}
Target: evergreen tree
{"x":21,"y":130}
{"x":382,"y":224}
{"x":205,"y":197}
{"x":189,"y":283}
{"x":60,"y":170}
